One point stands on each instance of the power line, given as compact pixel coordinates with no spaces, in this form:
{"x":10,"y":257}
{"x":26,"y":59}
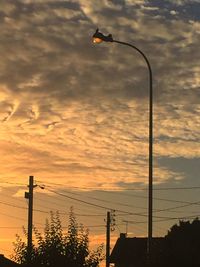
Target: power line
{"x":96,"y":205}
{"x":128,"y":188}
{"x":127,"y":205}
{"x":108,"y":208}
{"x":104,"y":200}
{"x":177,"y":188}
{"x":82,"y":201}
{"x":46,"y":212}
{"x":178,"y":207}
{"x":12,"y":205}
{"x":17,"y":218}
{"x":24,"y":208}
{"x":56,"y":203}
{"x":168,"y":219}
{"x":4,"y":182}
{"x":137,"y":196}
{"x":144,"y":197}
{"x":14,"y":217}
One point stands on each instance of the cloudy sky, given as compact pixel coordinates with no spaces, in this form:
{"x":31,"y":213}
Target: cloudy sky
{"x":75,"y":114}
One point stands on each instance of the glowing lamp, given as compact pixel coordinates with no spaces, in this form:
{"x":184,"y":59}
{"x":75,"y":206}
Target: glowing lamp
{"x":99,"y":37}
{"x":97,"y":40}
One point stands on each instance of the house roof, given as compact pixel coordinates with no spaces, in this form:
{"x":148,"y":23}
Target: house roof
{"x":128,"y":250}
{"x":4,"y":262}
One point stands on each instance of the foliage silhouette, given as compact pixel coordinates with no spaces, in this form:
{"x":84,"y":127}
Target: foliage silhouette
{"x":182,"y":244}
{"x":57,"y":248}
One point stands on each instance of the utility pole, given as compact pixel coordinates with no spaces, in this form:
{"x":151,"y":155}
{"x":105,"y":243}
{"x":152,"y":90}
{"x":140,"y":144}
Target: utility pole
{"x":108,"y":239}
{"x":29,"y":196}
{"x":110,"y":226}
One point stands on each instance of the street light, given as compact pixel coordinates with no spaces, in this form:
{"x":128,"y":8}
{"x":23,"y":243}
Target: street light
{"x":98,"y":37}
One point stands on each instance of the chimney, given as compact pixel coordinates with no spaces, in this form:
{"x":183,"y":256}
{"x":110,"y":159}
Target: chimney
{"x":122,"y":235}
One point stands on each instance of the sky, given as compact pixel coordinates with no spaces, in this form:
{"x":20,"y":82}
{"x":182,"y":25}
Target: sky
{"x":75,"y":115}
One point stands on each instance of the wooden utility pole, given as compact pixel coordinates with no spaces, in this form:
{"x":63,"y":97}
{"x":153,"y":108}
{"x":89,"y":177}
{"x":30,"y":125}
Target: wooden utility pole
{"x":29,"y":196}
{"x":108,"y":221}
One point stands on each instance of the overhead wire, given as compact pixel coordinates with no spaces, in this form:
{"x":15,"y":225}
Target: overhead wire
{"x":126,"y":188}
{"x":138,"y":196}
{"x":12,"y":216}
{"x":127,"y":205}
{"x":104,"y":200}
{"x":47,"y":212}
{"x":168,"y":209}
{"x":12,"y":183}
{"x":107,"y":208}
{"x":161,"y":210}
{"x":42,"y":211}
{"x":123,"y":213}
{"x":58,"y":204}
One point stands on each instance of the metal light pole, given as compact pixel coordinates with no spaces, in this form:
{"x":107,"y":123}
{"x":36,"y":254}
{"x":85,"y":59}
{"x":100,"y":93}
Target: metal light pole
{"x":98,"y":37}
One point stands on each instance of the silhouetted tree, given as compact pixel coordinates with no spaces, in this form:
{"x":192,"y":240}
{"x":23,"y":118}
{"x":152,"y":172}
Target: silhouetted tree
{"x":56,"y":248}
{"x":182,"y":244}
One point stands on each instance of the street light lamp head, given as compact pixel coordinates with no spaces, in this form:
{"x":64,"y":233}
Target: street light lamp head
{"x":98,"y":37}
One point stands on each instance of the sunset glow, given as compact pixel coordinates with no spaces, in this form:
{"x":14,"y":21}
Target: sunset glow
{"x":76,"y":116}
